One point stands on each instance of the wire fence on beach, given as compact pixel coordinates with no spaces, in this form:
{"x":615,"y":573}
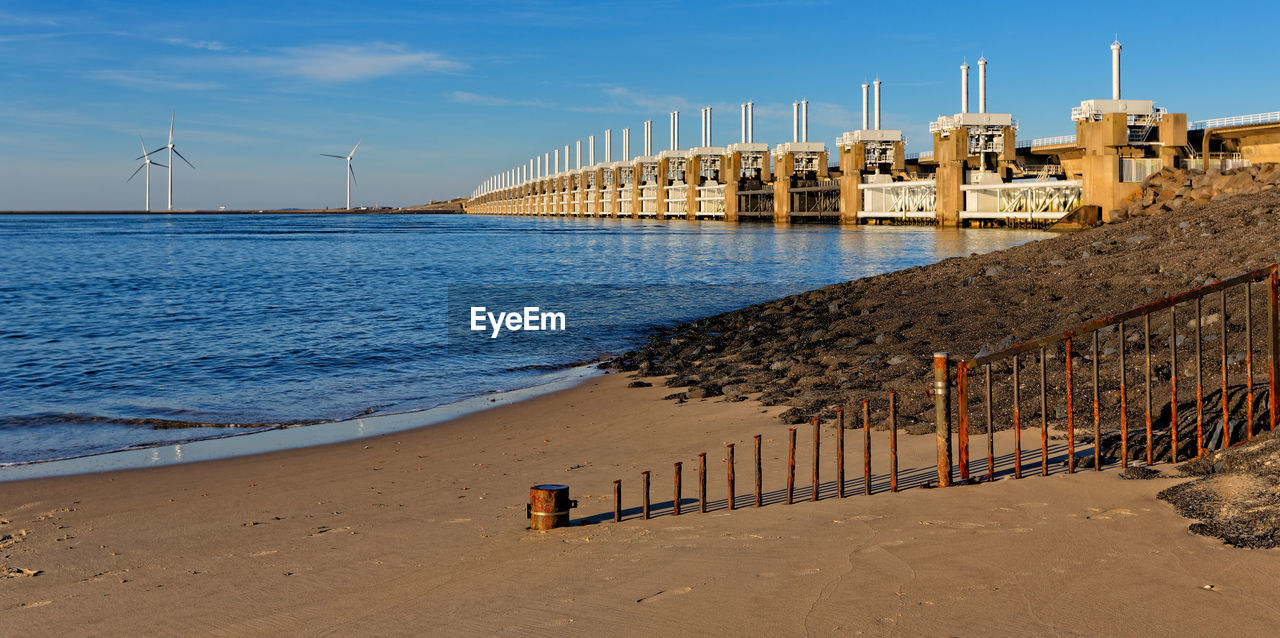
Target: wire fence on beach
{"x":1170,"y":431}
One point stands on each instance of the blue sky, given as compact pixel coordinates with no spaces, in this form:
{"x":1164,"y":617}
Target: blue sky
{"x":445,"y":94}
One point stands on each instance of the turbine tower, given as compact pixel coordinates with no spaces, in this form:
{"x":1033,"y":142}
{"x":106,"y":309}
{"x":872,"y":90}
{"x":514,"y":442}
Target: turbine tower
{"x":146,"y":163}
{"x":172,"y":151}
{"x":351,"y":174}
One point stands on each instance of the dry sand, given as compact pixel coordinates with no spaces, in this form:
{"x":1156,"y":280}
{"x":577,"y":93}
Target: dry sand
{"x":423,"y":533}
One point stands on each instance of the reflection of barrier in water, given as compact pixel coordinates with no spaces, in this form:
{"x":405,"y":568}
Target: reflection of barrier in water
{"x":1105,"y":449}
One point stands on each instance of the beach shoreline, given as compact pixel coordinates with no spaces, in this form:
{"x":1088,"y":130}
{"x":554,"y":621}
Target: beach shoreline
{"x":276,"y":438}
{"x":424,"y":530}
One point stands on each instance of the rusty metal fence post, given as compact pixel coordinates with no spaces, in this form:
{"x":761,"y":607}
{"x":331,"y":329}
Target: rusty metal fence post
{"x":1173,"y":381}
{"x":1222,"y":334}
{"x":731,"y":491}
{"x":866,"y":447}
{"x":1071,"y":412}
{"x":840,"y":452}
{"x":645,"y":503}
{"x":893,"y":441}
{"x":942,"y":415}
{"x":617,"y":501}
{"x":1017,"y":420}
{"x":675,"y":501}
{"x":1124,"y":405}
{"x":1273,"y":346}
{"x":702,"y":482}
{"x":759,"y":478}
{"x":817,"y":442}
{"x":962,"y":417}
{"x":791,"y":465}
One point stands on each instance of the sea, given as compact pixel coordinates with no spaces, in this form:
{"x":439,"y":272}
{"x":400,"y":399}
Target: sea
{"x":134,"y":332}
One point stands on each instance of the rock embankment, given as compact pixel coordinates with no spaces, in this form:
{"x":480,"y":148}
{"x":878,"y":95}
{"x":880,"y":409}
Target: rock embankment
{"x":837,"y":345}
{"x":1170,"y":190}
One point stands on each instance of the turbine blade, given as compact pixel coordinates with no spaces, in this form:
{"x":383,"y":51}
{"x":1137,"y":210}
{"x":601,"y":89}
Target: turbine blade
{"x":172,"y":116}
{"x":159,"y":164}
{"x":353,"y":150}
{"x":353,"y":174}
{"x":332,"y":155}
{"x":175,"y":152}
{"x":135,"y":173}
{"x":153,"y":152}
{"x":144,"y":145}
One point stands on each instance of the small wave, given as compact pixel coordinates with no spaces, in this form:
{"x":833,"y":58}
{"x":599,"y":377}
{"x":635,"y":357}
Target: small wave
{"x":47,"y":419}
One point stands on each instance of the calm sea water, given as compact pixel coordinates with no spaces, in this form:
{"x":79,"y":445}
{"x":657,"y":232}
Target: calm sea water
{"x":119,"y":332}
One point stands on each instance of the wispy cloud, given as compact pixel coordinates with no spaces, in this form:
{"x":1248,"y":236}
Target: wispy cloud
{"x":207,"y":45}
{"x":466,"y":97}
{"x":152,"y":81}
{"x":349,"y":63}
{"x":645,"y":101}
{"x":26,"y":18}
{"x":28,"y":37}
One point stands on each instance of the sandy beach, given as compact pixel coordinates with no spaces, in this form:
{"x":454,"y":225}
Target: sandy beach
{"x":424,"y":533}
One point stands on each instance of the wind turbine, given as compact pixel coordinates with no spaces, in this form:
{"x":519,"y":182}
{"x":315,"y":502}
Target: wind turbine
{"x":146,"y":163}
{"x":172,"y":151}
{"x":351,"y":174}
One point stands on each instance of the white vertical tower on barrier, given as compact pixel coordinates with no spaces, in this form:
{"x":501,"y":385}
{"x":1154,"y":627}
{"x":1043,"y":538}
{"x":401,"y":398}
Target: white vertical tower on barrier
{"x":982,"y":85}
{"x":1115,"y":70}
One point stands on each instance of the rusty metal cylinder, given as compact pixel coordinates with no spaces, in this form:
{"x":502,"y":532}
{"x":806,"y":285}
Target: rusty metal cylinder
{"x":549,"y":506}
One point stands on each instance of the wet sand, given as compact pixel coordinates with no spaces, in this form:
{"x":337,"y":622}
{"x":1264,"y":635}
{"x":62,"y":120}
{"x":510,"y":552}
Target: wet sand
{"x":423,"y":532}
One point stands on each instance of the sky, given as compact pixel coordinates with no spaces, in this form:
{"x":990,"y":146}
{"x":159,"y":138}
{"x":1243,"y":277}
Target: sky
{"x":445,"y":94}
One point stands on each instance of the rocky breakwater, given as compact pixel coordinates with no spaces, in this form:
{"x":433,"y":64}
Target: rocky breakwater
{"x":837,"y":345}
{"x":1170,"y":190}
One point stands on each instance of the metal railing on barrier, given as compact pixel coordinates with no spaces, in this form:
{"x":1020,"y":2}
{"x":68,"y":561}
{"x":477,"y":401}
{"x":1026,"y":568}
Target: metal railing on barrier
{"x":1237,"y":120}
{"x":1046,"y":141}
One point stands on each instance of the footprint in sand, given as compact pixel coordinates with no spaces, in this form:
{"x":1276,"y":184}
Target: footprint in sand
{"x":664,"y":593}
{"x":9,"y":540}
{"x":324,"y":529}
{"x":1094,"y":512}
{"x":38,"y":603}
{"x":18,"y":572}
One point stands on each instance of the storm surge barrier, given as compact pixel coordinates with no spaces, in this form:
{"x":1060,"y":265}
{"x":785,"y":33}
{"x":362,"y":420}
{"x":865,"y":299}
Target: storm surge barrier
{"x":1171,"y":429}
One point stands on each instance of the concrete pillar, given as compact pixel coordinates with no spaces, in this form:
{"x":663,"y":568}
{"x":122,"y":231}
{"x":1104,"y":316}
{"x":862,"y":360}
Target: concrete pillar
{"x":730,"y":168}
{"x":599,"y":190}
{"x":582,"y":193}
{"x":661,"y":202}
{"x":692,"y":170}
{"x":1101,"y":142}
{"x":1173,"y":138}
{"x":784,"y":165}
{"x":852,"y":162}
{"x":635,"y":190}
{"x":611,"y":203}
{"x":951,"y":154}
